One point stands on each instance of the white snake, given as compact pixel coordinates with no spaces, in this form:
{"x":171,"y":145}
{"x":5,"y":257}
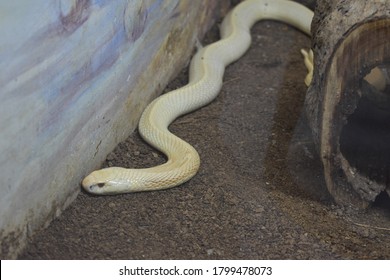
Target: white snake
{"x":205,"y":81}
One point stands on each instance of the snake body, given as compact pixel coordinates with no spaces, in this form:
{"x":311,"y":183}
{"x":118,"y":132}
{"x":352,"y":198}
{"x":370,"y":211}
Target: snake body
{"x":206,"y":74}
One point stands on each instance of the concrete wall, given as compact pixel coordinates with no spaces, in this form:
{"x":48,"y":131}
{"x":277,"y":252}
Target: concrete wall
{"x":75,"y":76}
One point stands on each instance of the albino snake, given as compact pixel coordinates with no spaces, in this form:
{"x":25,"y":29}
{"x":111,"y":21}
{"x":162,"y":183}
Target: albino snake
{"x":205,"y":81}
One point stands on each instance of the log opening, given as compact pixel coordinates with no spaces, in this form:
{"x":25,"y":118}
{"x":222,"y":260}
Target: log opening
{"x":365,"y":138}
{"x":347,"y":107}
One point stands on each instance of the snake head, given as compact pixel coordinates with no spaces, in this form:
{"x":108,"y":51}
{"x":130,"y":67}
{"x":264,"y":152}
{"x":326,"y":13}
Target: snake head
{"x":106,"y":181}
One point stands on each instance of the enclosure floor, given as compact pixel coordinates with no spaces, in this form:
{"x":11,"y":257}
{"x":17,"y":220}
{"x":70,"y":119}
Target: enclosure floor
{"x":260,"y":191}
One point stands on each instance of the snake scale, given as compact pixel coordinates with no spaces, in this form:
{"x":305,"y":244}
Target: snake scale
{"x":205,"y":81}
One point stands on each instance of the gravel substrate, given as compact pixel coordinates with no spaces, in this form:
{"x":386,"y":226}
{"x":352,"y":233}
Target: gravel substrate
{"x":259,"y":194}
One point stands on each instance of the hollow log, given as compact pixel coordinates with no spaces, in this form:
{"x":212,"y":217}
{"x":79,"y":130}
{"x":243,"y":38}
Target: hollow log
{"x":348,"y":100}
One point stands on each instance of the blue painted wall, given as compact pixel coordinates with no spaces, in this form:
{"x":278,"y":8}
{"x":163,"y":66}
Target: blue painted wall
{"x":74,"y":77}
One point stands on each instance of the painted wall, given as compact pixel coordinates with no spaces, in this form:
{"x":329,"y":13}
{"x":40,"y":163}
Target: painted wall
{"x":75,"y":76}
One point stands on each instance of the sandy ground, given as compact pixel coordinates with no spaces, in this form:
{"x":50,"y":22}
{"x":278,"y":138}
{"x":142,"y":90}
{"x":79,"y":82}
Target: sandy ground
{"x":259,"y":194}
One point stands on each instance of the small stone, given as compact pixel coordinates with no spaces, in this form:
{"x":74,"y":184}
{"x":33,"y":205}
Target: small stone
{"x":210,"y":252}
{"x":111,"y":204}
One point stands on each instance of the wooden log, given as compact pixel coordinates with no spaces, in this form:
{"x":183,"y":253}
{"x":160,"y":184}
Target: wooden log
{"x":349,"y":117}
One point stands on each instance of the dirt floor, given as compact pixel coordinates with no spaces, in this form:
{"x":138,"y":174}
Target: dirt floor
{"x":260,"y":191}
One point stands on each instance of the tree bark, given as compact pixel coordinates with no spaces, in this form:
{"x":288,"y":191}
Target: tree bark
{"x":349,"y":117}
